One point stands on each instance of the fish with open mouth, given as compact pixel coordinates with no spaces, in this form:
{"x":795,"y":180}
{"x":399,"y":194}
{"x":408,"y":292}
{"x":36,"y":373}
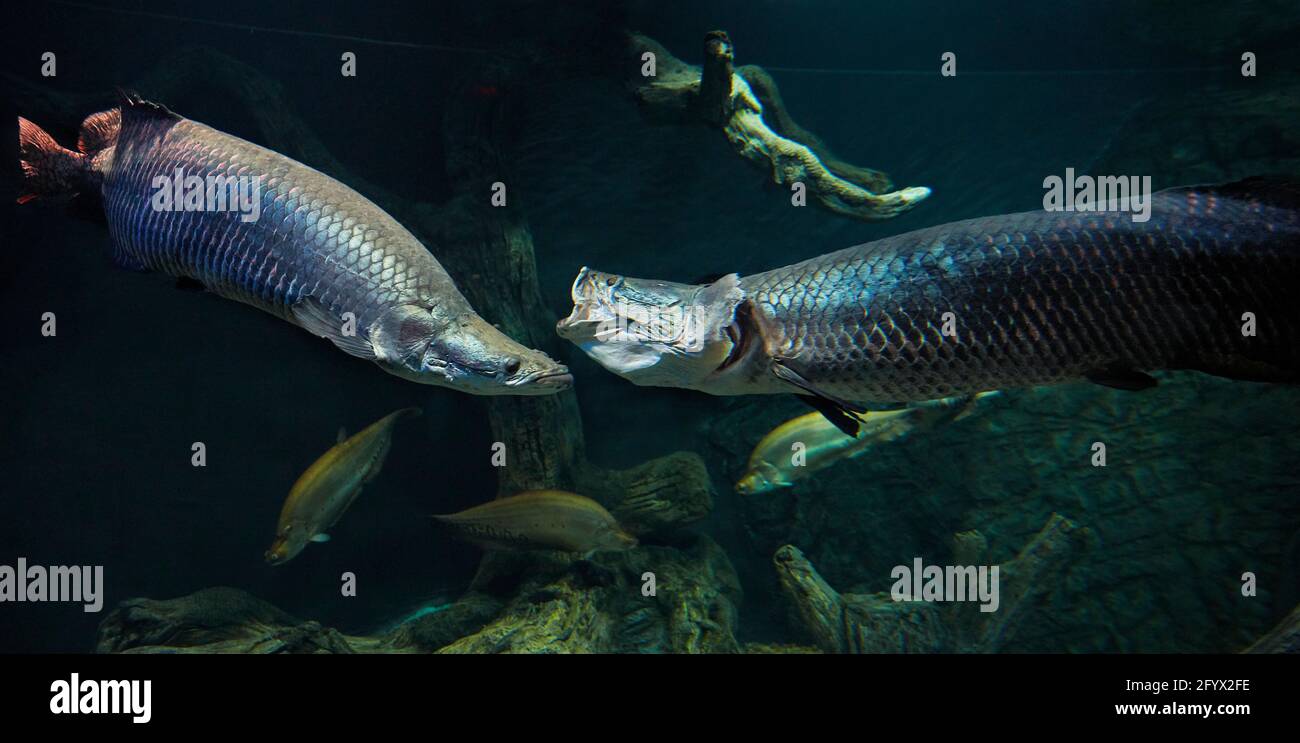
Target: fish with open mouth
{"x":309,"y":249}
{"x":1207,"y":283}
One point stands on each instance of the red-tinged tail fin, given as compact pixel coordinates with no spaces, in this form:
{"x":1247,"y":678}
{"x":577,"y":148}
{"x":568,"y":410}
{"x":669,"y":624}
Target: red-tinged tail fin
{"x":48,"y":168}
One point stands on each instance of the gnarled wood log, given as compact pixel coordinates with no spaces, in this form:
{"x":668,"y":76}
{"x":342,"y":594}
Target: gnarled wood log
{"x":737,"y":102}
{"x":876,"y":623}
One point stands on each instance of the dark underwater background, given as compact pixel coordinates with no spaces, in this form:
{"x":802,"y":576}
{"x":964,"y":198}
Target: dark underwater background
{"x":96,"y":424}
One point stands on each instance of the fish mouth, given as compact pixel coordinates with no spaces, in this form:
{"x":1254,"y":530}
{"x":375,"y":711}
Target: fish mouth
{"x":652,"y":332}
{"x":547,"y":381}
{"x":590,"y":305}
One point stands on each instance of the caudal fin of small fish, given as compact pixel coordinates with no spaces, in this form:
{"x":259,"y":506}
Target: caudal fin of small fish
{"x":49,"y":169}
{"x":397,"y":416}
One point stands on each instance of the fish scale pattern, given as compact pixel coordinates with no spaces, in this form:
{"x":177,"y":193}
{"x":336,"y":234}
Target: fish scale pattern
{"x":1044,"y":297}
{"x":314,"y":237}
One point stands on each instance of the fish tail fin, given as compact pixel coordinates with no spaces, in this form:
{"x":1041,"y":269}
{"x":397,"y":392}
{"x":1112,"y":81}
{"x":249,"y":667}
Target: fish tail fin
{"x":397,"y":416}
{"x":48,"y":168}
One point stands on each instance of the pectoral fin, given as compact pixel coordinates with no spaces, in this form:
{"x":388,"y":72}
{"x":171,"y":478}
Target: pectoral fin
{"x":320,"y":538}
{"x":840,"y":418}
{"x":839,"y":412}
{"x":319,"y":320}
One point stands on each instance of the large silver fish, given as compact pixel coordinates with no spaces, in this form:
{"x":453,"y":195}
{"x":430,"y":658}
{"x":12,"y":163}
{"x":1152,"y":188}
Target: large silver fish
{"x":1209,"y":283}
{"x":304,"y":247}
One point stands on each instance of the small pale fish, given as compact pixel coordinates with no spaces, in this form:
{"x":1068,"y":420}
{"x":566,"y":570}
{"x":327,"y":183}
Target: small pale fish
{"x":810,"y":443}
{"x":321,"y":495}
{"x":540,"y":519}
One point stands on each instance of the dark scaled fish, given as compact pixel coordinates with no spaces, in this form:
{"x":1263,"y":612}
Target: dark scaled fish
{"x":1209,"y":282}
{"x":540,"y":519}
{"x":301,"y":245}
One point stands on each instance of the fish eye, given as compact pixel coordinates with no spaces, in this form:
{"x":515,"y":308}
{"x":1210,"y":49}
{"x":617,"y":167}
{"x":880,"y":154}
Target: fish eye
{"x":512,"y":365}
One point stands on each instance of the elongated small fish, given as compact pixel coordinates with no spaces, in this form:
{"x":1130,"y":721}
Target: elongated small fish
{"x":1209,"y":282}
{"x":249,"y":224}
{"x":329,"y":486}
{"x":540,"y":519}
{"x":810,"y":443}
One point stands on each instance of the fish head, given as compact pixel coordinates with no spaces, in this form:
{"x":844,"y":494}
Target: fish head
{"x":651,"y":332}
{"x":752,"y":482}
{"x":466,"y":353}
{"x":287,"y":544}
{"x":615,"y":539}
{"x":760,"y":478}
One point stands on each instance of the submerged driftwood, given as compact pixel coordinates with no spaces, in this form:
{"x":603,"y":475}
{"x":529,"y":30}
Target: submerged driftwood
{"x":876,"y":623}
{"x":605,"y":604}
{"x":542,"y":435}
{"x":746,"y":105}
{"x":1284,"y":638}
{"x":567,"y":604}
{"x":214,"y":620}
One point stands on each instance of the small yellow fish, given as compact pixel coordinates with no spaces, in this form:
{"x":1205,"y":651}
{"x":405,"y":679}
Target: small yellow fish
{"x":801,"y":446}
{"x":540,"y":519}
{"x":321,"y":495}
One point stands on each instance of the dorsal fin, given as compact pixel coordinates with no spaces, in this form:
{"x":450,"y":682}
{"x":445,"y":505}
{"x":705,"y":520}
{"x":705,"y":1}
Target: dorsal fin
{"x":1277,"y":190}
{"x":134,"y":105}
{"x":99,"y":131}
